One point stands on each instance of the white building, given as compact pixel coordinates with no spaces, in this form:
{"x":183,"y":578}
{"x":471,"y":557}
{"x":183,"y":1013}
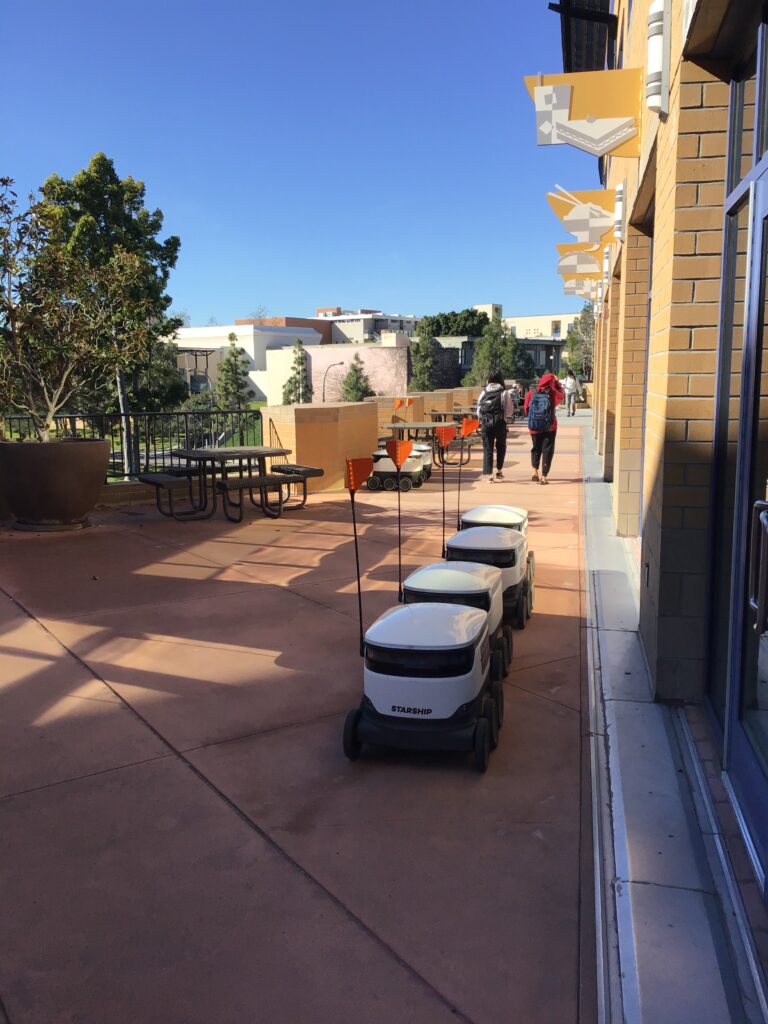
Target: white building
{"x":263,"y":345}
{"x":363,"y":325}
{"x":543,"y":337}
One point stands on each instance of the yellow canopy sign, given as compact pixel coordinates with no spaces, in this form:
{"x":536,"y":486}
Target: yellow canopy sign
{"x":589,"y":216}
{"x":594,"y":111}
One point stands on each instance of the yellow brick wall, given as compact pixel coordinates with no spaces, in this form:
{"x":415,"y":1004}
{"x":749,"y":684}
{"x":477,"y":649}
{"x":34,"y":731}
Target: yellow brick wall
{"x":682,"y":166}
{"x":630,"y":381}
{"x":323,"y":435}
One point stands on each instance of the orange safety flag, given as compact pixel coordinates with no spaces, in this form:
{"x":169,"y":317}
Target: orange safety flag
{"x":399,"y":451}
{"x":409,"y":402}
{"x":358,"y":471}
{"x":399,"y":403}
{"x":445,"y":434}
{"x":469,"y":426}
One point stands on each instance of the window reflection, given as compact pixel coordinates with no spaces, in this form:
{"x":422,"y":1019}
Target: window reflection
{"x":728,"y":412}
{"x":742,"y":144}
{"x":754,"y":706}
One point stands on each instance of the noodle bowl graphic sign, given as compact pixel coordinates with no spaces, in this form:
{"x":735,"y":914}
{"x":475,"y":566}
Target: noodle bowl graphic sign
{"x":597,"y":112}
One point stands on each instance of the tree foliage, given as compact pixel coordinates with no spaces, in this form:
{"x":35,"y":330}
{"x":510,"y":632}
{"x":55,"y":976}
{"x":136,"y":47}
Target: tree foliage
{"x":233,"y":384}
{"x":297,"y":389}
{"x":424,"y":360}
{"x":65,"y":324}
{"x":356,"y":386}
{"x":497,"y":350}
{"x":97,"y":212}
{"x":467,"y":323}
{"x":153,"y":383}
{"x":580,"y":343}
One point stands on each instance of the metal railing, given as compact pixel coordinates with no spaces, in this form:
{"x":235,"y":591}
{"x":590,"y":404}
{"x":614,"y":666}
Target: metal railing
{"x":144,"y":442}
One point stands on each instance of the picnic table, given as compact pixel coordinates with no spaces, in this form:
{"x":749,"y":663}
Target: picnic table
{"x":213,"y":461}
{"x":439,"y":456}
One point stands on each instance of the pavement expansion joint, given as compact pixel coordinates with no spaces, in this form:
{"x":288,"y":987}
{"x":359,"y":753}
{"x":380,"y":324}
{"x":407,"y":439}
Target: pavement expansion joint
{"x":88,"y":775}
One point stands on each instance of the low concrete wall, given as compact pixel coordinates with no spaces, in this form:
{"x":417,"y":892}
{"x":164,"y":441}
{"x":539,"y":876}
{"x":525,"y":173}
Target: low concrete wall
{"x":323,"y":435}
{"x":587,"y":393}
{"x":385,"y":406}
{"x":386,"y":367}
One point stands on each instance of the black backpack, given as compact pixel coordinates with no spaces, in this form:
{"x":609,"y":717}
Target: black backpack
{"x":491,"y":407}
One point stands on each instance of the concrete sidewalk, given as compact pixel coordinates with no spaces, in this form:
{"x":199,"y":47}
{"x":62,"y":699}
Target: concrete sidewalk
{"x":182,"y":839}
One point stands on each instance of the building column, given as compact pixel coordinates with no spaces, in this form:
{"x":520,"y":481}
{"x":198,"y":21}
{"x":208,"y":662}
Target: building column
{"x":682,"y":360}
{"x":597,"y":362}
{"x":630,"y":381}
{"x":609,"y":378}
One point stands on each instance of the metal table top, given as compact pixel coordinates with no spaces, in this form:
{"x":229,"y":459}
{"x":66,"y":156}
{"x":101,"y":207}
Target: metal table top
{"x":411,"y":425}
{"x":256,"y":451}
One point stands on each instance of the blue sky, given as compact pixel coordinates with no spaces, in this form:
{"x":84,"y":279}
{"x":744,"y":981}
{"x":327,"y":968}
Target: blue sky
{"x":346,"y":153}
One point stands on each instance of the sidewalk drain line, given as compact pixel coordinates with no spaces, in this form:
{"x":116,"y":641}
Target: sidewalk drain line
{"x":736,"y":922}
{"x":261,"y":832}
{"x":611,"y":983}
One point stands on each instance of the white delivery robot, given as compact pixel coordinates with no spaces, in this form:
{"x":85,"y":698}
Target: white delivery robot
{"x":509,"y":516}
{"x":475,"y":586}
{"x":385,"y":472}
{"x":507,"y":550}
{"x":426,"y":453}
{"x":426,"y":683}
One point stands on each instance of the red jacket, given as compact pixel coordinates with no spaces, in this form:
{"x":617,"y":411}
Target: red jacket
{"x":551,"y":385}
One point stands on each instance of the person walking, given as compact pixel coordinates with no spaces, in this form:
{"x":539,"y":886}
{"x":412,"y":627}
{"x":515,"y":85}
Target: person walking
{"x":572,"y":390}
{"x":540,"y":405}
{"x":494,"y":406}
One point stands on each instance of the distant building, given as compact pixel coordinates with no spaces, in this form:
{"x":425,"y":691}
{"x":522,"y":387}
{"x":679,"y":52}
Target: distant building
{"x":543,"y":337}
{"x":363,"y":325}
{"x":491,"y":310}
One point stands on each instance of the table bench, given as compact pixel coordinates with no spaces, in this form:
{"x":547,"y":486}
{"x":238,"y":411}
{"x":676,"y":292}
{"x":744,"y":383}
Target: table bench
{"x":170,"y":482}
{"x":261,"y":482}
{"x":298,"y":476}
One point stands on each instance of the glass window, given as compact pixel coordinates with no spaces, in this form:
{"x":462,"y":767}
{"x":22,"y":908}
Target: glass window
{"x":742,"y":132}
{"x":727,"y":427}
{"x":403,"y":661}
{"x":762,"y":112}
{"x":501,"y":559}
{"x":754,"y":666}
{"x":481,"y":601}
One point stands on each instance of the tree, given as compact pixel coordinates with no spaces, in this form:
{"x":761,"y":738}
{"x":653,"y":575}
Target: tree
{"x":424,"y":364}
{"x":580,"y":342}
{"x":66,"y":325}
{"x":94,"y":215}
{"x":468,"y":323}
{"x":497,"y":350}
{"x":298,"y":388}
{"x":233,"y":385}
{"x":356,"y":386}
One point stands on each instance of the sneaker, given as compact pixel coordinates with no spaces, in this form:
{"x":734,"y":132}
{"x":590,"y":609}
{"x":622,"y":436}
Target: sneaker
{"x":544,"y":480}
{"x":499,"y":475}
{"x":534,"y":476}
{"x":489,"y":479}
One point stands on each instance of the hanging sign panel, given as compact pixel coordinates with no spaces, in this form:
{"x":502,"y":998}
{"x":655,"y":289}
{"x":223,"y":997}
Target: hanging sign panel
{"x":597,"y":112}
{"x":579,"y":258}
{"x":589,"y":216}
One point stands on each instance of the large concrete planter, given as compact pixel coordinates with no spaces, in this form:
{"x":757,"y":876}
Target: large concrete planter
{"x":52,"y":485}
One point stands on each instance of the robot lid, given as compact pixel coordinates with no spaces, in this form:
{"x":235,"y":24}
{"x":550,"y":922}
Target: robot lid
{"x":408,"y":625}
{"x":455,"y":578}
{"x":488,"y":538}
{"x":510,"y":516}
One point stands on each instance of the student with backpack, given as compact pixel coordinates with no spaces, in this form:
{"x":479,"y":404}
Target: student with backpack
{"x":494,"y":406}
{"x":540,"y":405}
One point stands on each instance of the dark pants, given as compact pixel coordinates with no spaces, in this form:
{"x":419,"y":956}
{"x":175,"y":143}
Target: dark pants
{"x":494,"y":435}
{"x":543,"y":450}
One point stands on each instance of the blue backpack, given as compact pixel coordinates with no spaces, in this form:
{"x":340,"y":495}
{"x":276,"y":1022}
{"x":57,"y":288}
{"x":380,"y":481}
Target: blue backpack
{"x":540,"y":413}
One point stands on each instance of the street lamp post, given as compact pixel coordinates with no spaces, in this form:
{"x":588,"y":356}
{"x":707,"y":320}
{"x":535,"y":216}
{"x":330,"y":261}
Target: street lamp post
{"x":329,"y":367}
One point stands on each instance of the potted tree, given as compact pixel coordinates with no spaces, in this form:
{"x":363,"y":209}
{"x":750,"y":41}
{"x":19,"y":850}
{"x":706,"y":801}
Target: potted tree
{"x":66,"y":326}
